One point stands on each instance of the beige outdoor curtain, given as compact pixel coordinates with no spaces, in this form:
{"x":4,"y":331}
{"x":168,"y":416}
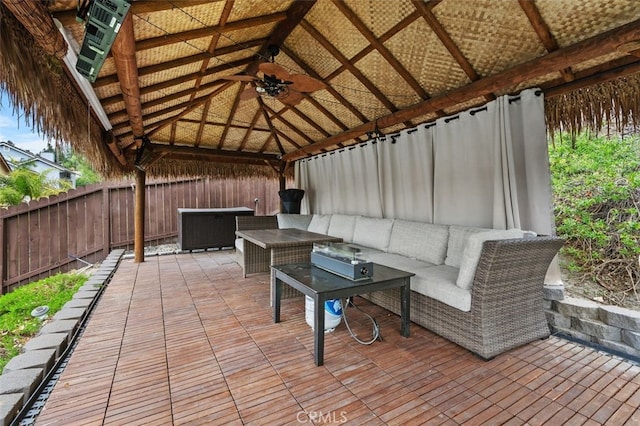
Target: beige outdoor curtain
{"x":485,"y":167}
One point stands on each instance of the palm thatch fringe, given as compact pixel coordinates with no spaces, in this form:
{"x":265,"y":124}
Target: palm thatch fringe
{"x":168,"y":168}
{"x":37,"y":82}
{"x":614,"y":103}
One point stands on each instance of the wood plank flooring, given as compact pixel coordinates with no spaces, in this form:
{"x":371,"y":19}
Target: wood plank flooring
{"x":184,"y":339}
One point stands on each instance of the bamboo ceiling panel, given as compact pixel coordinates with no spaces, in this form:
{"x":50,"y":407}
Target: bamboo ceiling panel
{"x":379,"y":17}
{"x":425,"y":57}
{"x":305,"y":47}
{"x":570,"y":23}
{"x":252,"y":8}
{"x":387,"y":64}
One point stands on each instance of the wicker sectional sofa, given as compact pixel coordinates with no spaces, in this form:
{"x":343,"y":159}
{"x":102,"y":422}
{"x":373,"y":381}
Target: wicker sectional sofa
{"x":480,"y":288}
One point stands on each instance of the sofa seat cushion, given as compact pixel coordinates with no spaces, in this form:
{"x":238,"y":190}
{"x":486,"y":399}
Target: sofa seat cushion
{"x":319,"y":223}
{"x":298,"y":221}
{"x":419,"y":240}
{"x":398,"y":261}
{"x":239,"y":244}
{"x":473,"y":249}
{"x":373,"y":232}
{"x":439,"y":282}
{"x":458,"y":236}
{"x":341,"y":226}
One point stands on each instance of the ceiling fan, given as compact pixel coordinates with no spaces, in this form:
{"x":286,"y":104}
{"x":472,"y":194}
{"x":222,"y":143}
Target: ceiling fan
{"x":276,"y":82}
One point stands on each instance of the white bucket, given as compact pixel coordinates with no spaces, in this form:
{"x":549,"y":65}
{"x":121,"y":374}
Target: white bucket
{"x":332,"y":313}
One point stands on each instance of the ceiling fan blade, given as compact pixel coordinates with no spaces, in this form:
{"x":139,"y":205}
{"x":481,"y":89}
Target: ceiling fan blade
{"x":304,"y":83}
{"x":293,"y":98}
{"x":248,"y":93}
{"x":239,"y":77}
{"x":270,"y":68}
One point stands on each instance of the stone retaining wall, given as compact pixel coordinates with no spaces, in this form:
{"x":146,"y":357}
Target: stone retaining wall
{"x":613,"y":328}
{"x":24,"y":373}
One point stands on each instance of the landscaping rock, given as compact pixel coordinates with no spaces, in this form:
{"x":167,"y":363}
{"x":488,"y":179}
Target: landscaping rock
{"x":77,"y":303}
{"x":553,"y":292}
{"x":59,"y":326}
{"x":620,"y":317}
{"x":10,"y":405}
{"x":631,"y":338}
{"x":42,"y":358}
{"x":85,"y":294}
{"x":557,"y":320}
{"x":597,"y":329}
{"x":618,"y":347}
{"x":57,"y":341}
{"x":578,"y":308}
{"x":21,"y":381}
{"x":70,"y":313}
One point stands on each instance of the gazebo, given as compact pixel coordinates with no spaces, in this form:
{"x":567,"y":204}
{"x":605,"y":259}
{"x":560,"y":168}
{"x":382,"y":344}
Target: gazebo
{"x":237,"y":88}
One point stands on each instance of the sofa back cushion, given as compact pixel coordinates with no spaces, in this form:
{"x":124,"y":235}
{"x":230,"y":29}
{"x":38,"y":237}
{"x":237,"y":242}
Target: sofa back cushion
{"x":458,"y":236}
{"x":319,"y":223}
{"x":419,"y":240}
{"x":373,"y":232}
{"x":341,"y":226}
{"x":299,"y":221}
{"x":472,"y":250}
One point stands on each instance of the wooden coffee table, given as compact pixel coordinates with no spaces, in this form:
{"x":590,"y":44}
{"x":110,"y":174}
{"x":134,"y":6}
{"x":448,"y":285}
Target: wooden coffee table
{"x":321,"y":285}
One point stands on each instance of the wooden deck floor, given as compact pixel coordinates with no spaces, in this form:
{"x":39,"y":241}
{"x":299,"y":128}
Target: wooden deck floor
{"x":185,"y":339}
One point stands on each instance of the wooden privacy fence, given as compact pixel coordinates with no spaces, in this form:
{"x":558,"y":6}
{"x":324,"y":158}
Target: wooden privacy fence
{"x":51,"y":235}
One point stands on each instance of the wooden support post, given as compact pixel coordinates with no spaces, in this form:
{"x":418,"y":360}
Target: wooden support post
{"x":283,"y":185}
{"x":139,"y":209}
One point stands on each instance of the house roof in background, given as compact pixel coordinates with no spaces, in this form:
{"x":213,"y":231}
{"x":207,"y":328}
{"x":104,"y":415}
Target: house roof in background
{"x":7,"y":148}
{"x":387,"y":65}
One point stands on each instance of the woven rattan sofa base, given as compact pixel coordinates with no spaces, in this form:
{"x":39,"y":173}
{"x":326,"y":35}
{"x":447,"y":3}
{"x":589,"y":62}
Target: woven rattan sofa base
{"x":506,"y":301}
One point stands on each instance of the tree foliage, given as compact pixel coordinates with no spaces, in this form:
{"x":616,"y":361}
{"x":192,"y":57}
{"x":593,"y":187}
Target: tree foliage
{"x":24,"y":184}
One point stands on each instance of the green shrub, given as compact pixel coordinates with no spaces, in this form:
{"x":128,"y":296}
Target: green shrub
{"x":596,"y":185}
{"x":16,"y":323}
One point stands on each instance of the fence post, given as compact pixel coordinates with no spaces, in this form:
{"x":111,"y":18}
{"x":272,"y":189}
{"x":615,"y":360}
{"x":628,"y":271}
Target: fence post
{"x":139,"y":213}
{"x":3,"y":255}
{"x":106,"y":220}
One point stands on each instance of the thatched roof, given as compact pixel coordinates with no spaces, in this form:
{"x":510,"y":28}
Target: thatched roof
{"x":386,"y":65}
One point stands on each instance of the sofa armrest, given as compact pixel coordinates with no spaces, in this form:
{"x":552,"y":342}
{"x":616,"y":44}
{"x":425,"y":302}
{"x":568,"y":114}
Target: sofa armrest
{"x":509,"y":278}
{"x":513,"y":264}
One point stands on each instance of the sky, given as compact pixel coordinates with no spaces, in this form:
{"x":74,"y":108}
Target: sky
{"x":16,"y":130}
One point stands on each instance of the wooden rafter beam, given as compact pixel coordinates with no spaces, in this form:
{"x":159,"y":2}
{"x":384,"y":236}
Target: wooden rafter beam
{"x":277,"y":116}
{"x":179,"y":80}
{"x":448,"y":42}
{"x":562,"y":58}
{"x":328,"y":88}
{"x":232,"y":113}
{"x":118,"y":115}
{"x":322,"y":40}
{"x":581,"y":80}
{"x":272,"y":128}
{"x":168,"y":39}
{"x":188,"y":105}
{"x":290,"y":140}
{"x":295,"y":14}
{"x":198,"y":153}
{"x":187,"y":109}
{"x":68,"y":17}
{"x":124,"y":55}
{"x":164,"y":66}
{"x":222,"y":124}
{"x":250,"y":130}
{"x":226,"y":12}
{"x":201,"y":124}
{"x":381,"y":48}
{"x":544,"y":33}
